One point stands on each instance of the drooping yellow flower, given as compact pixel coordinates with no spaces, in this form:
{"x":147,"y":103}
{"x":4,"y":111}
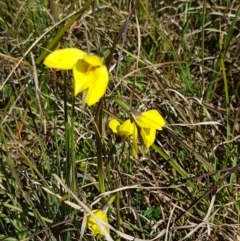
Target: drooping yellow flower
{"x":147,"y":122}
{"x":91,"y":223}
{"x":89,"y":72}
{"x":125,"y":129}
{"x":148,"y":119}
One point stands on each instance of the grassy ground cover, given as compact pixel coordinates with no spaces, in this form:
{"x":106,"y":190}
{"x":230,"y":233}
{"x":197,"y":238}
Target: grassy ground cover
{"x":58,"y":157}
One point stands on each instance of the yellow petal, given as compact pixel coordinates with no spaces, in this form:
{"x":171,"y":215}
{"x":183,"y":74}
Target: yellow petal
{"x":93,"y":60}
{"x":134,"y":144}
{"x":64,"y":58}
{"x":126,"y":129}
{"x":114,"y":125}
{"x":149,"y":119}
{"x":92,"y":224}
{"x":82,"y":75}
{"x":98,"y":82}
{"x":148,"y":136}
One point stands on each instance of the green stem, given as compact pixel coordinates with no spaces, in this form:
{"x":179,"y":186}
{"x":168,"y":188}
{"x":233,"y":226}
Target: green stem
{"x":72,"y":150}
{"x":118,"y":214}
{"x":98,"y":132}
{"x":225,"y":80}
{"x":67,"y":170}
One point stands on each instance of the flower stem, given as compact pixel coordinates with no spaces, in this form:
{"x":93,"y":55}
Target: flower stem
{"x":98,"y":132}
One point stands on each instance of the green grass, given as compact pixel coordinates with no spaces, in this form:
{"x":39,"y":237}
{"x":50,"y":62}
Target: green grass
{"x":57,"y":156}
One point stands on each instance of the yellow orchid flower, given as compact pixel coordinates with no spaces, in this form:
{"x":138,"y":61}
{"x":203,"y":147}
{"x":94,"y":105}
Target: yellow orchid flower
{"x":89,"y":72}
{"x":125,"y":129}
{"x":148,"y":119}
{"x":147,"y":122}
{"x":91,"y":223}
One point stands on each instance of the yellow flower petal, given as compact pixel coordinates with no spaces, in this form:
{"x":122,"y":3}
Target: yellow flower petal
{"x":126,"y":129}
{"x":82,"y":74}
{"x":93,"y":60}
{"x":92,"y":224}
{"x":149,"y":119}
{"x":114,"y":125}
{"x":98,"y":82}
{"x":64,"y":58}
{"x":148,"y":136}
